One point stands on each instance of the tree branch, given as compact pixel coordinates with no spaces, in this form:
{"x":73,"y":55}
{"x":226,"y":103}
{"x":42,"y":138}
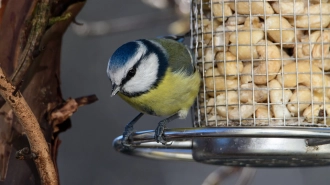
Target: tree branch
{"x":39,"y":23}
{"x":40,"y":18}
{"x":32,"y":130}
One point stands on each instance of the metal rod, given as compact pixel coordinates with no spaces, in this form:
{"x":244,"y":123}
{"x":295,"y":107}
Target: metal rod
{"x":181,"y":150}
{"x":256,"y":132}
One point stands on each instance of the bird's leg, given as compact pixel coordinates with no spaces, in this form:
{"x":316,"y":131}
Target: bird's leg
{"x":159,"y":132}
{"x":129,"y":130}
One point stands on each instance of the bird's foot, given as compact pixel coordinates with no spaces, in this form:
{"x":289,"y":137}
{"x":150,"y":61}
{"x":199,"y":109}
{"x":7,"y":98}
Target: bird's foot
{"x":126,"y":141}
{"x":159,"y":133}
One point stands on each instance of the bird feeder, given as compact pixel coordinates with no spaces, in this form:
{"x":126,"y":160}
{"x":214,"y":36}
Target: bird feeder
{"x":265,"y":93}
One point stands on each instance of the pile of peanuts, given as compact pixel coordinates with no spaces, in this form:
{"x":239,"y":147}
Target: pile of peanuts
{"x":264,"y":62}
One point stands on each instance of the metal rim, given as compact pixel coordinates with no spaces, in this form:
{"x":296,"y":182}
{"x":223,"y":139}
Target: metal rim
{"x":181,"y":147}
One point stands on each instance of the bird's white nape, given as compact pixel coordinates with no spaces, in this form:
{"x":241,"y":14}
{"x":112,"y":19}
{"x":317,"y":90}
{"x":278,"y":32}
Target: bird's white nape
{"x":145,"y":77}
{"x":159,"y":46}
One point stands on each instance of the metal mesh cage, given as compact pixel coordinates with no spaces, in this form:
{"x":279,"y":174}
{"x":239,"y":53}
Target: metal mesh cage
{"x":263,"y":63}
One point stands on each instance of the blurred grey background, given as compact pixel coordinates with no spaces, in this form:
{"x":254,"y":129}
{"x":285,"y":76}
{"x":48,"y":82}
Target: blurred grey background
{"x":86,"y":156}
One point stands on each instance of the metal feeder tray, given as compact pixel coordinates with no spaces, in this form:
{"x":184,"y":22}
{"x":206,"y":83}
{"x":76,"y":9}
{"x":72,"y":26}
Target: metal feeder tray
{"x":236,"y":146}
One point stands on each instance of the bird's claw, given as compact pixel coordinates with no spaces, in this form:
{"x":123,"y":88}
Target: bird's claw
{"x":159,"y":134}
{"x":161,"y":139}
{"x":126,"y":141}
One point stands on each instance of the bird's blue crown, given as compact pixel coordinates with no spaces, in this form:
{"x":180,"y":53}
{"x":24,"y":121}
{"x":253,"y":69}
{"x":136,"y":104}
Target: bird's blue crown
{"x":123,"y":54}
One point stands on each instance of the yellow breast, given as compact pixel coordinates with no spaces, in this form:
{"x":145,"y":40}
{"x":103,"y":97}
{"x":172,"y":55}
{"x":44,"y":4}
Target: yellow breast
{"x":176,"y":92}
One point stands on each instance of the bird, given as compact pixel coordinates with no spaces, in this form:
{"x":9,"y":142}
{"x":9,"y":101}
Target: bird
{"x":156,"y":77}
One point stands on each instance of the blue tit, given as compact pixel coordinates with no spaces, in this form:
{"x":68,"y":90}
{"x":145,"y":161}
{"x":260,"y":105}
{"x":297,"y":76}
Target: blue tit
{"x":156,"y":77}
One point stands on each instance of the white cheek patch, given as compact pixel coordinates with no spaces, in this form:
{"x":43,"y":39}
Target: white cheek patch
{"x":145,"y":77}
{"x":119,"y":74}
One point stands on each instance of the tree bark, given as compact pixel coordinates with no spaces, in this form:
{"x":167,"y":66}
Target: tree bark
{"x":30,"y":49}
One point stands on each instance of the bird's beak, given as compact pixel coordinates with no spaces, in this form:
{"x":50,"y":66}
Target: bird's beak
{"x":115,"y":89}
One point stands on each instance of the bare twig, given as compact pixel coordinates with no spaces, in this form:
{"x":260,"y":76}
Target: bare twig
{"x":85,"y":100}
{"x":32,"y":130}
{"x":100,"y":28}
{"x":24,"y":154}
{"x":64,"y":17}
{"x":71,"y":105}
{"x":39,"y":23}
{"x":246,"y":176}
{"x":220,"y":175}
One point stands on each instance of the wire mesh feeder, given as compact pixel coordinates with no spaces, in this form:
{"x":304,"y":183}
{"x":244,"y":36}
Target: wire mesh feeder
{"x":265,"y":93}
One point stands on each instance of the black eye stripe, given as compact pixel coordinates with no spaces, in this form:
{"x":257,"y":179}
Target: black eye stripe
{"x":131,"y":72}
{"x":128,"y":76}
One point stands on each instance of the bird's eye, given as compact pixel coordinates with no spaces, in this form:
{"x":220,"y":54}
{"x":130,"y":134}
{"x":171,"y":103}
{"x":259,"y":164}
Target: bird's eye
{"x":131,"y":72}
